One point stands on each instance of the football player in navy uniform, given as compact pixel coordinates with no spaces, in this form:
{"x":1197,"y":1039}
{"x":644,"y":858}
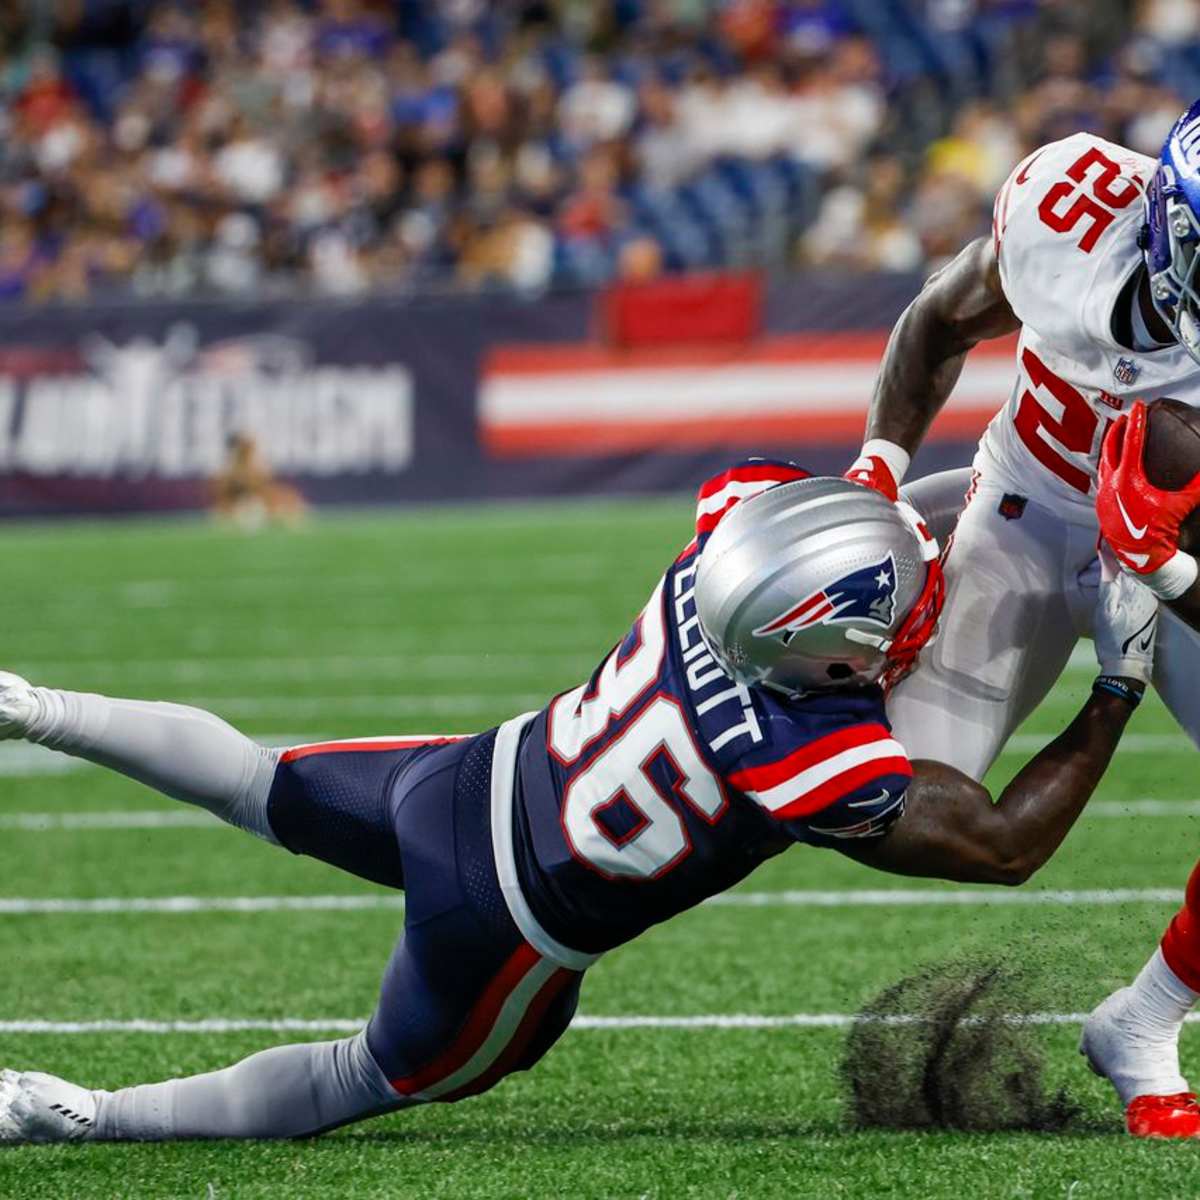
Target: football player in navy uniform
{"x":742,"y":713}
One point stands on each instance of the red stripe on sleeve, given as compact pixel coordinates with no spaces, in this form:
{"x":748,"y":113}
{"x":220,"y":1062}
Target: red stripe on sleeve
{"x":853,"y":780}
{"x":760,"y":779}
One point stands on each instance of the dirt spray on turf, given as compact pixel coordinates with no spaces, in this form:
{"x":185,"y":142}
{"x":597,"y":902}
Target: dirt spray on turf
{"x":954,"y":1046}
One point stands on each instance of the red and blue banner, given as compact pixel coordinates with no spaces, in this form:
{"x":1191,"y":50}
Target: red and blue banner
{"x":125,"y":407}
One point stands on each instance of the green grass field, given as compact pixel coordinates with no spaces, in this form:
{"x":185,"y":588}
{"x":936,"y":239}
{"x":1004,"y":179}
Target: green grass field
{"x":451,"y":621}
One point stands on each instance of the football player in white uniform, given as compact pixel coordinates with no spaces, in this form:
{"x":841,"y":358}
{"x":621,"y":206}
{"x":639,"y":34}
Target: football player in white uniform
{"x":1090,"y":258}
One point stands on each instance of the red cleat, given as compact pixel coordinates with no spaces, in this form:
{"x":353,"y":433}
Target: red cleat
{"x":1176,"y":1116}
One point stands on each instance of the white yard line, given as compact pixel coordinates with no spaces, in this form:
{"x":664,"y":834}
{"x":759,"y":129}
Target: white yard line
{"x":386,"y":704}
{"x":1132,"y":743}
{"x":920,"y":897}
{"x":23,"y":906}
{"x":22,"y":760}
{"x":146,"y":818}
{"x":693,"y":1023}
{"x":1143,"y":808}
{"x":359,"y":902}
{"x":185,"y":817}
{"x":316,"y":667}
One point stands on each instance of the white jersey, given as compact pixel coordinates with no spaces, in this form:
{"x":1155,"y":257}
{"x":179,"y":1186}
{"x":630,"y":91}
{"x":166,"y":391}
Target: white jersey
{"x":1066,"y":226}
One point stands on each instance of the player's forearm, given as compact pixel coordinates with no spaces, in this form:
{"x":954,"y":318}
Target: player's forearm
{"x":1041,"y":804}
{"x":920,"y":367}
{"x":960,"y":306}
{"x":951,"y":829}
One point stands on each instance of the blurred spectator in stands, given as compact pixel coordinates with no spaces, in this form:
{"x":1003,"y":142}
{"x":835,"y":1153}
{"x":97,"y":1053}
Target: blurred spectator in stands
{"x":338,"y":145}
{"x":1172,"y":22}
{"x":840,"y":105}
{"x":861,"y":226}
{"x":597,"y":108}
{"x":514,"y":250}
{"x":946,"y":214}
{"x":982,"y":148}
{"x":640,"y":259}
{"x":664,"y":154}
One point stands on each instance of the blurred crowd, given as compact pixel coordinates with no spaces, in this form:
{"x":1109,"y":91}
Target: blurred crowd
{"x":336,"y":146}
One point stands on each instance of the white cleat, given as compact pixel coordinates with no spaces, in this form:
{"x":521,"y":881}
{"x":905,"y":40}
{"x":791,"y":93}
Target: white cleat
{"x":18,"y":705}
{"x":42,"y":1108}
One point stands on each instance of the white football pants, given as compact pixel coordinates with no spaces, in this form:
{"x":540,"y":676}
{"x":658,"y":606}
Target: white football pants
{"x":1021,"y":590}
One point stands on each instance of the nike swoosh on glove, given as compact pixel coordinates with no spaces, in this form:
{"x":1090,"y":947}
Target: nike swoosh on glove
{"x":1126,"y":624}
{"x":1138,"y":520}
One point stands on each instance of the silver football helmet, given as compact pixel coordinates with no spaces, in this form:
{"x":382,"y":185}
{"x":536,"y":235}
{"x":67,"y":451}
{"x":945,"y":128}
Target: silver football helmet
{"x":816,"y":584}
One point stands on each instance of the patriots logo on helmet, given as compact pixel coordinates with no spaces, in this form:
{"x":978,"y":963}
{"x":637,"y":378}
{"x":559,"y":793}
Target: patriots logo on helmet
{"x":868,"y":594}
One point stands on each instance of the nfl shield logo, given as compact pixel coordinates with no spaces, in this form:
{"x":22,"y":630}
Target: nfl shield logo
{"x":1126,"y":371}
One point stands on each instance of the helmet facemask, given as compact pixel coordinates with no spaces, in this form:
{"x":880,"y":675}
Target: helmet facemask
{"x":919,"y":626}
{"x":1173,"y":236}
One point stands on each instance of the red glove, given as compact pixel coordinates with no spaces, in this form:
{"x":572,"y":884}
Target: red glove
{"x":1138,"y":520}
{"x":881,"y":466}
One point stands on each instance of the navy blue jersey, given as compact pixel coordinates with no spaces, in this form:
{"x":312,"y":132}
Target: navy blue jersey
{"x":661,"y":781}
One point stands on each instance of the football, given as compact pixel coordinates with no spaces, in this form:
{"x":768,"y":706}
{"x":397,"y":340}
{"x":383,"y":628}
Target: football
{"x":1172,"y":456}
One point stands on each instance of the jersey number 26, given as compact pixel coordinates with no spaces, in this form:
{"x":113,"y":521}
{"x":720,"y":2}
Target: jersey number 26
{"x":628,"y":768}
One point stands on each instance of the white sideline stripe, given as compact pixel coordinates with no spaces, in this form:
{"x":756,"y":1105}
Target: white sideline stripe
{"x":20,"y":906}
{"x":20,"y":759}
{"x":699,"y":1021}
{"x":1143,"y":808}
{"x":318,"y":667}
{"x":149,"y":818}
{"x":1133,"y":743}
{"x":871,"y":898}
{"x":386,"y":704}
{"x":197,"y":818}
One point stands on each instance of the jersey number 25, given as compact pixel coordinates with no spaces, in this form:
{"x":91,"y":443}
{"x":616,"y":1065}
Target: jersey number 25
{"x":1088,"y":197}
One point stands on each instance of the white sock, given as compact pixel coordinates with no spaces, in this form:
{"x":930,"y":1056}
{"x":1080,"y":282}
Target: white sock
{"x":184,"y":752}
{"x":1149,"y":1016}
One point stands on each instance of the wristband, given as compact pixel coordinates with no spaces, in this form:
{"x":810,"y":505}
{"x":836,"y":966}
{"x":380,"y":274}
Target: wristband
{"x":1174,"y":577}
{"x":896,"y":458}
{"x":1116,"y":685}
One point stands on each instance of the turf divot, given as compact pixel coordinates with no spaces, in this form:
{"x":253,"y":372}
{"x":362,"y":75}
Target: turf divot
{"x":956,"y":1045}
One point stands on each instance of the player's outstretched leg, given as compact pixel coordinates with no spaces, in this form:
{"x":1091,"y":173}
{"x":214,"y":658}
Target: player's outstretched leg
{"x":287,"y":1091}
{"x":465,"y":1000}
{"x":184,"y":752}
{"x":1132,"y":1037}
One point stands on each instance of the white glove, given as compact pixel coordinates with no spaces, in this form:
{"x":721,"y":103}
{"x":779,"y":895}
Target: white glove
{"x":1126,"y":622}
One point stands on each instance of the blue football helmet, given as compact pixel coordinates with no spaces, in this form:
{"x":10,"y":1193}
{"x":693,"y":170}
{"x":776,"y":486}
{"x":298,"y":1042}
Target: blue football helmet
{"x":1172,"y":233}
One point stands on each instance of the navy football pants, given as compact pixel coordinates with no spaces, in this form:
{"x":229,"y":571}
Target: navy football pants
{"x":465,"y":999}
